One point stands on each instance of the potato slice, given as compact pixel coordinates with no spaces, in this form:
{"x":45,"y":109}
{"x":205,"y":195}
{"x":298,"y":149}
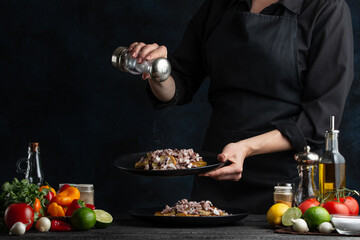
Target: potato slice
{"x":159,"y":213}
{"x":205,"y":213}
{"x":200,"y":163}
{"x":142,"y":163}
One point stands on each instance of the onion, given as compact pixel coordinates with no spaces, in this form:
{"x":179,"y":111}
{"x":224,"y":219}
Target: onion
{"x":326,"y":227}
{"x":300,"y":225}
{"x":18,"y":229}
{"x":43,"y":224}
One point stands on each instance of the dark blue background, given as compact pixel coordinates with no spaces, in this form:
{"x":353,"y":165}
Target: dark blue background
{"x":58,"y":87}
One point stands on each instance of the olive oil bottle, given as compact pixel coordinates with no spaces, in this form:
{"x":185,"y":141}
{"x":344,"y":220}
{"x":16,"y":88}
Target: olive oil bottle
{"x":332,"y":163}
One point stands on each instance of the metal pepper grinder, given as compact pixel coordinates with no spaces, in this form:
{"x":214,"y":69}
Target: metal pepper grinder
{"x":307,"y":166}
{"x":159,"y":69}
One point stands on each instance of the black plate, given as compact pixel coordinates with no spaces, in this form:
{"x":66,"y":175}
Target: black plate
{"x":127,"y":163}
{"x":147,"y":215}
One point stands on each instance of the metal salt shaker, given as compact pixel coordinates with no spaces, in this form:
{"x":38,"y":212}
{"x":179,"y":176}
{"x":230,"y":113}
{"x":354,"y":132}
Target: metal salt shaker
{"x":159,"y":69}
{"x":307,"y":165}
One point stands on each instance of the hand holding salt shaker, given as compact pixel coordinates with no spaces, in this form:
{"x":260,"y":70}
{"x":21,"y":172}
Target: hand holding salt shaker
{"x":159,"y":69}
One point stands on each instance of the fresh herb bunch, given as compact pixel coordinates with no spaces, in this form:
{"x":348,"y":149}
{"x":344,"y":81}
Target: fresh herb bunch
{"x":21,"y":192}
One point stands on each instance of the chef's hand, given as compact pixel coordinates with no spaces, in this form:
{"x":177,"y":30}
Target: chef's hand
{"x":235,"y":153}
{"x":148,"y":52}
{"x":164,"y":91}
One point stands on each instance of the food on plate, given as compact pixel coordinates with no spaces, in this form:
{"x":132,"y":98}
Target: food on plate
{"x":168,"y":159}
{"x":185,"y":208}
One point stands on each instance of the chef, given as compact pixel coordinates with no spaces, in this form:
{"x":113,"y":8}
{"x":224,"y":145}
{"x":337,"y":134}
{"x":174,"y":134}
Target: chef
{"x":278,"y":70}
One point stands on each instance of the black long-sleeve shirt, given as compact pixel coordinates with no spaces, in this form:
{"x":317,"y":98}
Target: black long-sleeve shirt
{"x":325,"y":61}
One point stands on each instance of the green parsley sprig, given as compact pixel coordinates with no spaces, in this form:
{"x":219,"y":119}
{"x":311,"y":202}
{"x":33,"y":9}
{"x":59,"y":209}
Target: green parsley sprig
{"x":21,"y":192}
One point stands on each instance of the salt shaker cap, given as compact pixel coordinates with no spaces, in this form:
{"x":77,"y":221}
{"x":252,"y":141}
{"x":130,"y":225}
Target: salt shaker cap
{"x":116,"y":58}
{"x":307,"y":157}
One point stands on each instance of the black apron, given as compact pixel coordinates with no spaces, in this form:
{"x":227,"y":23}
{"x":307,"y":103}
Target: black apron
{"x":252,"y":62}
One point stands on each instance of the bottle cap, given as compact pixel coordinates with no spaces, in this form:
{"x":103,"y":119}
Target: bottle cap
{"x":306,"y":157}
{"x":34,"y":146}
{"x":332,"y":126}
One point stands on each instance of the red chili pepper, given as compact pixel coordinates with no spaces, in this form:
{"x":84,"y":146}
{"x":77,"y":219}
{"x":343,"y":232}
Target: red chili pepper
{"x":92,"y":207}
{"x":63,"y":187}
{"x":50,"y":196}
{"x":75,"y":204}
{"x":60,"y":226}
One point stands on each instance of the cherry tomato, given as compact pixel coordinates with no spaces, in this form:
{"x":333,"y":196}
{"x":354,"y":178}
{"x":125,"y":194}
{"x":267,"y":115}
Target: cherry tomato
{"x":335,"y":207}
{"x":19,"y":212}
{"x":352,"y":204}
{"x":311,"y":202}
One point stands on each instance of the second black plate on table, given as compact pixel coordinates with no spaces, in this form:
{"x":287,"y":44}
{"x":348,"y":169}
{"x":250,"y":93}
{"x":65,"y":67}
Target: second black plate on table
{"x":127,"y":163}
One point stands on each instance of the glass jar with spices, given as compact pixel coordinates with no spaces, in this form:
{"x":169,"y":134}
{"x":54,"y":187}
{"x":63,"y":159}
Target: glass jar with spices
{"x":86,"y":193}
{"x":283,"y":194}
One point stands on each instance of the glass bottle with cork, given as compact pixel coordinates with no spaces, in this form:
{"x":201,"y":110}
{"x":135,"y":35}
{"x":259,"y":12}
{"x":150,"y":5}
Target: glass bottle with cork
{"x":332,"y":163}
{"x":33,"y":171}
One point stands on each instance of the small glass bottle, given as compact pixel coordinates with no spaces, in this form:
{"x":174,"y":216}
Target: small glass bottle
{"x":159,"y":69}
{"x":332,"y":163}
{"x":307,"y":165}
{"x":283,"y":194}
{"x":86,"y":193}
{"x":33,"y":172}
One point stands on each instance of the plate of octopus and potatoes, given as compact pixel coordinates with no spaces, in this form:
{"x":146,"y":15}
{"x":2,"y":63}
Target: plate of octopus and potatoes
{"x":168,"y":162}
{"x":190,"y":213}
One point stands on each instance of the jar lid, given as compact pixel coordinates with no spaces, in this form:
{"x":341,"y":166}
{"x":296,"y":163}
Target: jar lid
{"x":306,"y":157}
{"x":283,"y":187}
{"x":85,"y":187}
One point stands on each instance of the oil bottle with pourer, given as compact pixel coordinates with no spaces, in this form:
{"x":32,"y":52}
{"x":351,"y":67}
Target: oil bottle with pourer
{"x":332,"y":163}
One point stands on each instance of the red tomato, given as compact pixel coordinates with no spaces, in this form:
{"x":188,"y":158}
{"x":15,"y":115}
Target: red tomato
{"x":352,"y":204}
{"x":312,"y":202}
{"x":334,"y":207}
{"x":19,"y":212}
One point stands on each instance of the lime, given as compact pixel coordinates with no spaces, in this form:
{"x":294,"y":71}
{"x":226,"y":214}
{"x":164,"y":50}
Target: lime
{"x":103,"y":219}
{"x":83,"y":218}
{"x":290,"y":214}
{"x":314,"y":216}
{"x":275,"y":213}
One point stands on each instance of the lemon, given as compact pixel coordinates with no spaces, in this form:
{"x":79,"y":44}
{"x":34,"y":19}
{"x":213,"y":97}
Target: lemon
{"x":290,"y":214}
{"x":103,"y":219}
{"x":275,"y":213}
{"x":314,"y":216}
